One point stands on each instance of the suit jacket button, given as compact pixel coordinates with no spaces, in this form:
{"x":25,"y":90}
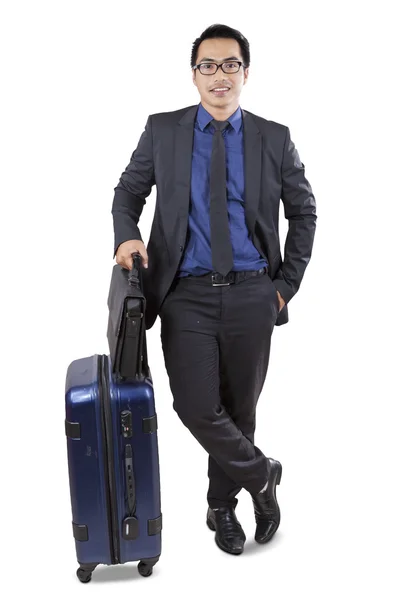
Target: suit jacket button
{"x":181,"y":248}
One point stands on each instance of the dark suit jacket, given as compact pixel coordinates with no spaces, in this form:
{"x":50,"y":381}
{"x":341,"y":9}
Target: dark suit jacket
{"x":273,"y":171}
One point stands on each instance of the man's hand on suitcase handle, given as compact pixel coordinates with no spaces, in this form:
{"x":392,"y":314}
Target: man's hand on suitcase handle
{"x":125,"y":251}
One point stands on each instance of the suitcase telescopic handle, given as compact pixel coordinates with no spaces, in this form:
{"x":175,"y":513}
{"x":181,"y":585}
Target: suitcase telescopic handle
{"x":130,"y":525}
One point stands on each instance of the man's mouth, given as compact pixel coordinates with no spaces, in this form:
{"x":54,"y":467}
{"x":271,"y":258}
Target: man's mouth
{"x":220,"y":91}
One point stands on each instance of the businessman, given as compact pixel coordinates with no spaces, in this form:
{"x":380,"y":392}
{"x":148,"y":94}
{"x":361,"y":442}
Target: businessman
{"x":213,"y":266}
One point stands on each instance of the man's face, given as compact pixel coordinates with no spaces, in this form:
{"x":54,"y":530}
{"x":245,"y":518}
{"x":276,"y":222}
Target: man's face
{"x":219,"y":50}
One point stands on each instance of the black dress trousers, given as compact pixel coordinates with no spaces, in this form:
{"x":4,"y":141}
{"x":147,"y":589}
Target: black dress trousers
{"x":216,"y":344}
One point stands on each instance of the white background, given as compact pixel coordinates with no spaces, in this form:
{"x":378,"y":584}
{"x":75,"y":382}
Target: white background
{"x":79,"y":80}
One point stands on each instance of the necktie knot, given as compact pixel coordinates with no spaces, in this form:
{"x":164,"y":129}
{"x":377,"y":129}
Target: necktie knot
{"x":219,"y":125}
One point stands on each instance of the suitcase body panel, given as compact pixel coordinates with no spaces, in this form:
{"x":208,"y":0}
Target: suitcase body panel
{"x":85,"y":456}
{"x":139,"y":399}
{"x":98,"y":508}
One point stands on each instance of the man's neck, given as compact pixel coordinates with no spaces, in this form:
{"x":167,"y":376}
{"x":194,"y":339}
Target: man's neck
{"x":220,"y":114}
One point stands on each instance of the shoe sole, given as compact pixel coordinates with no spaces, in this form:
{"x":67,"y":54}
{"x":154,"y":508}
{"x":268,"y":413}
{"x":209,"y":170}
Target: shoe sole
{"x":212,"y":527}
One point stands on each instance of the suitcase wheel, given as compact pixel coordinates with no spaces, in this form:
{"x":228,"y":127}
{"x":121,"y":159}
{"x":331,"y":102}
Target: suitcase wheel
{"x":84,"y":576}
{"x":145,"y":569}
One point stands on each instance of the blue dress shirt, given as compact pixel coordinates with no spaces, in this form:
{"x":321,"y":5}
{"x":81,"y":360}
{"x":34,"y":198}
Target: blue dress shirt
{"x":197,"y":255}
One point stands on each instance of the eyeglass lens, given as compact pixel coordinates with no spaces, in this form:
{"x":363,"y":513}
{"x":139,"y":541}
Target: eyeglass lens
{"x":210,"y":68}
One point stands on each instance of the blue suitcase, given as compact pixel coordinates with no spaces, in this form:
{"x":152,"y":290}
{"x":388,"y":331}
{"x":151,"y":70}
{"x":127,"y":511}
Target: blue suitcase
{"x":111,"y":429}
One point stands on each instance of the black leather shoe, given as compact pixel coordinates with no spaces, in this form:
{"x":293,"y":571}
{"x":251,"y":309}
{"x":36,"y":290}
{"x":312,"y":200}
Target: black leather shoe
{"x":266,"y":507}
{"x":229,"y":535}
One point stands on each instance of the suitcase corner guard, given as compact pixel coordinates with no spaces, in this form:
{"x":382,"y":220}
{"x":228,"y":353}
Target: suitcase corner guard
{"x":80,"y":532}
{"x":154,"y":526}
{"x":149,"y":424}
{"x":72,"y":430}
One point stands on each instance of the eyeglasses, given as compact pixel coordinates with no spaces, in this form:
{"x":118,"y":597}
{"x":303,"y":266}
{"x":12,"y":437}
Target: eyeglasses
{"x":210,"y":68}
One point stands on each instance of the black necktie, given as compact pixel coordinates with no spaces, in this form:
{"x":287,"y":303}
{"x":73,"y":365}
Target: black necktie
{"x":221,"y":246}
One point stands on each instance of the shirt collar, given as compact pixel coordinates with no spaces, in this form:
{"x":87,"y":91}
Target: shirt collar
{"x":203,"y":118}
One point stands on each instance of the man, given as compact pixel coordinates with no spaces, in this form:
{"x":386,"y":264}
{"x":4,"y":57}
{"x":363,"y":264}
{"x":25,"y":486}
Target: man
{"x":213,"y":267}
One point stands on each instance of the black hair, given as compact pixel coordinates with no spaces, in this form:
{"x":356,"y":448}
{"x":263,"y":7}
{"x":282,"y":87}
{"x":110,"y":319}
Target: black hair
{"x":222,"y":31}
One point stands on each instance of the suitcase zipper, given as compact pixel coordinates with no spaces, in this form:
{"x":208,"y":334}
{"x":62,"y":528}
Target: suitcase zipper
{"x":109,"y":473}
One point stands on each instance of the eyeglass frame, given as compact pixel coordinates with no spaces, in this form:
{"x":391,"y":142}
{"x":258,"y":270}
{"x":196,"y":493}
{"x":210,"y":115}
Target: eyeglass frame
{"x":218,"y":65}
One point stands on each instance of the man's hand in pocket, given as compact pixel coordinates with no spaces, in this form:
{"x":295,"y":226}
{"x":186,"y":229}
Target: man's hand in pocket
{"x":281,"y":301}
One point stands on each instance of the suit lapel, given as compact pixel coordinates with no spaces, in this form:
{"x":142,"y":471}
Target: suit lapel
{"x":183,"y":167}
{"x":183,"y":161}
